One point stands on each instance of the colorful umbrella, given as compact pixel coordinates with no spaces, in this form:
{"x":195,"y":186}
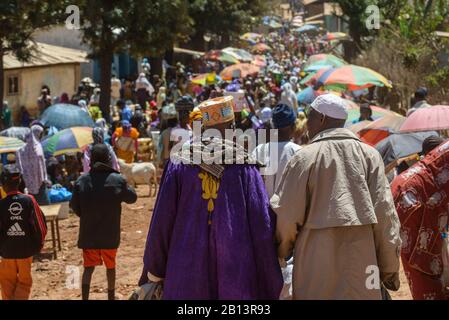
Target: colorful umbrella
{"x":383,"y":127}
{"x":325,"y":59}
{"x":239,"y":54}
{"x":307,"y":28}
{"x":8,"y":144}
{"x":306,"y":96}
{"x":68,"y":140}
{"x":259,"y":61}
{"x":16,"y":132}
{"x":355,"y":128}
{"x":261,"y":47}
{"x":205,"y":79}
{"x":354,"y":77}
{"x":332,"y":36}
{"x":241,"y":69}
{"x":425,"y":119}
{"x":219,"y":55}
{"x":354,"y":112}
{"x":64,"y":116}
{"x":251,"y":36}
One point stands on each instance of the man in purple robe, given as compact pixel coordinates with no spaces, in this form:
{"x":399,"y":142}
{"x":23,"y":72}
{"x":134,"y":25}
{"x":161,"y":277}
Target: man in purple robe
{"x":212,"y":235}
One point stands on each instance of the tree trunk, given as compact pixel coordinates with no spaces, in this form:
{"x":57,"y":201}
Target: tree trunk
{"x":105,"y":84}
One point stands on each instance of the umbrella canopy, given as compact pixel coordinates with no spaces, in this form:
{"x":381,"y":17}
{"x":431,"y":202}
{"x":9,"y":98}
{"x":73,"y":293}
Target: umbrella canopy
{"x":205,"y":79}
{"x":306,"y":96}
{"x":354,"y":77}
{"x":354,"y":112}
{"x":243,"y":69}
{"x":355,"y":128}
{"x":8,"y":144}
{"x":307,"y":28}
{"x":64,"y":116}
{"x":16,"y":132}
{"x":239,"y":54}
{"x":425,"y":119}
{"x":68,"y":140}
{"x":259,"y":61}
{"x":323,"y":61}
{"x":332,"y":36}
{"x":274,"y":25}
{"x":219,"y":55}
{"x":251,"y":36}
{"x":261,"y":47}
{"x":383,"y":127}
{"x":401,"y":145}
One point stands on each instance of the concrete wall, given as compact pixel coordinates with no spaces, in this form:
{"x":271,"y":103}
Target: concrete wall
{"x":61,"y":36}
{"x":59,"y":78}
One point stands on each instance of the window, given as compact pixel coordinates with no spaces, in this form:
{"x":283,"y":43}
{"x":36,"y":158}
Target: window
{"x":13,"y":85}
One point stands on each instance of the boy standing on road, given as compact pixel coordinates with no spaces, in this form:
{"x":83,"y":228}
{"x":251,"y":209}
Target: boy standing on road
{"x":22,"y":235}
{"x":97,"y":199}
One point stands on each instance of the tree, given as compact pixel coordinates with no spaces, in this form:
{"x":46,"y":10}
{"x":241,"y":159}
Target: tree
{"x":356,"y":16}
{"x":139,"y":27}
{"x":225,"y":18}
{"x":18,"y":21}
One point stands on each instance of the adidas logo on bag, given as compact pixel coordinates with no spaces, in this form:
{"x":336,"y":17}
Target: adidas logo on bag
{"x":15,"y":230}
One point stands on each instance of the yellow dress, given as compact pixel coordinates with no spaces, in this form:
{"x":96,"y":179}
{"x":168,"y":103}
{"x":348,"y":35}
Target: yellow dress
{"x":125,"y":145}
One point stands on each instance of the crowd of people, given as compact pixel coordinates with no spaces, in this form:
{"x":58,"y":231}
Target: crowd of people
{"x":226,"y":230}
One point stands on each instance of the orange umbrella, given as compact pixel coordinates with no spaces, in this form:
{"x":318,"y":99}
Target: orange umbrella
{"x":240,"y":70}
{"x":378,"y":130}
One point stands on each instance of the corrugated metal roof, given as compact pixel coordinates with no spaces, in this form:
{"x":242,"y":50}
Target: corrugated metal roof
{"x":46,"y":54}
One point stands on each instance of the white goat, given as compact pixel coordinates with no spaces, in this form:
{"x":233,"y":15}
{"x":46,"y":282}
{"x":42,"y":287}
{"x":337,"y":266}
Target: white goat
{"x":140,"y":173}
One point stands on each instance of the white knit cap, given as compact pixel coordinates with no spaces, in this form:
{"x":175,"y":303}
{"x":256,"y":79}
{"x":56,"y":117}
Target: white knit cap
{"x":331,"y":105}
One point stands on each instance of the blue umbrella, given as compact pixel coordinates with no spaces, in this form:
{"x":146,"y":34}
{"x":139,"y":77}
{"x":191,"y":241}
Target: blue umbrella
{"x":16,"y":132}
{"x":306,"y":96}
{"x":306,"y":28}
{"x":64,"y":116}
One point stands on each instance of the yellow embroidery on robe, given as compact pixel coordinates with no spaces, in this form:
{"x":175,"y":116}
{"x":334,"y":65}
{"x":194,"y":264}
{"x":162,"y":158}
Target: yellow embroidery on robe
{"x":210,"y":186}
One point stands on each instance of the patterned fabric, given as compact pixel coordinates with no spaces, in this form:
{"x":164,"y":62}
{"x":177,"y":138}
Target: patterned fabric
{"x":421,"y":199}
{"x":31,"y":161}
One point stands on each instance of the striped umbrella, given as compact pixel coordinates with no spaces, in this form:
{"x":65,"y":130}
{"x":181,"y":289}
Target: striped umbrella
{"x":251,"y":36}
{"x":62,"y":116}
{"x":381,"y":128}
{"x":205,"y":79}
{"x":325,"y":59}
{"x":353,"y":77}
{"x":9,"y":144}
{"x":219,"y":55}
{"x":68,"y":140}
{"x":239,"y":54}
{"x":261,"y":47}
{"x":332,"y":36}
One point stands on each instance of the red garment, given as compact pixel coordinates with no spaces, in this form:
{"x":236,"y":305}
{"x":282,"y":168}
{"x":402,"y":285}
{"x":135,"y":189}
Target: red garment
{"x":421,"y":196}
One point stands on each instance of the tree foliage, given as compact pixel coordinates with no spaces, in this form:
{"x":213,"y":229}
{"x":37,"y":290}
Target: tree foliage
{"x":18,"y":21}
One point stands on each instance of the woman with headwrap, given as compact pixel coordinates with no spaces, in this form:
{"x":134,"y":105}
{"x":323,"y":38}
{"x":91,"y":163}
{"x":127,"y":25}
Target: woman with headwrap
{"x":288,"y":97}
{"x":144,"y":90}
{"x":98,"y":137}
{"x":31,"y":163}
{"x":125,"y":142}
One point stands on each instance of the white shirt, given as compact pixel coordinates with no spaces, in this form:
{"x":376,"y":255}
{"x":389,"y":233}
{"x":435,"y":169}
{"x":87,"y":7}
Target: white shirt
{"x":115,"y":88}
{"x":285,"y":151}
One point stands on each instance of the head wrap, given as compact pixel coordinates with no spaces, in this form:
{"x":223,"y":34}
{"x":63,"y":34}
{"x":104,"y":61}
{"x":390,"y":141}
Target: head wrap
{"x":98,"y":135}
{"x":185,"y":103}
{"x":100,"y":153}
{"x":218,"y":110}
{"x":331,"y":105}
{"x":283,"y":116}
{"x":31,"y":160}
{"x":431,"y":143}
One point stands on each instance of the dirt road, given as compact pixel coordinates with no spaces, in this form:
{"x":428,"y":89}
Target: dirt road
{"x":50,"y":276}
